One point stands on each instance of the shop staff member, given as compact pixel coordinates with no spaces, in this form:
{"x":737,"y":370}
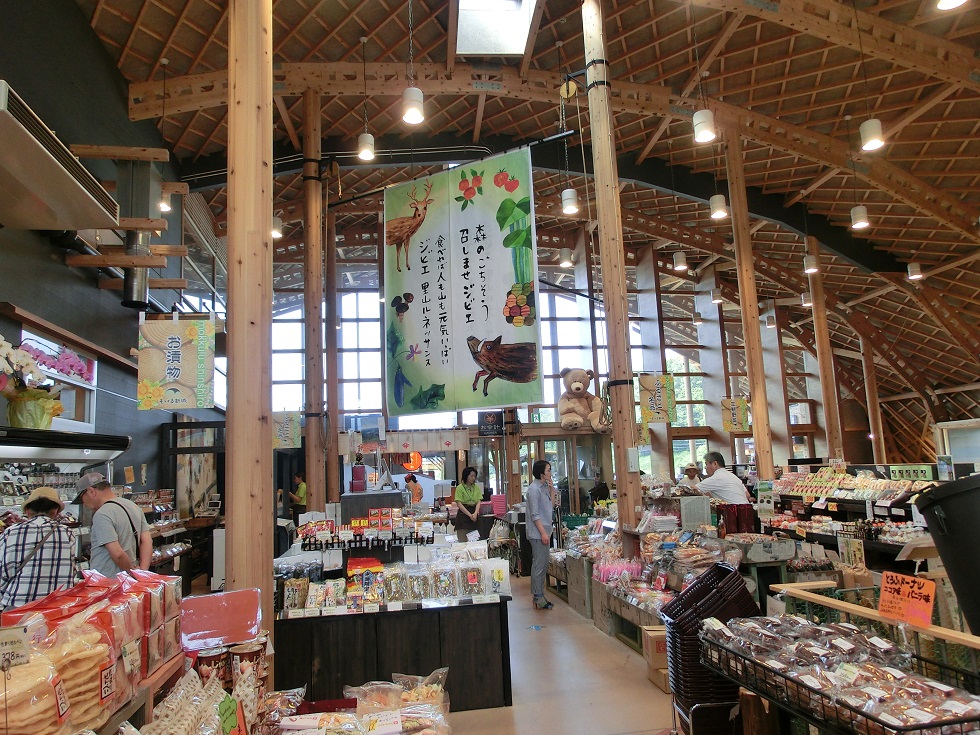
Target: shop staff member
{"x":720,"y":483}
{"x":120,"y":534}
{"x":37,"y":556}
{"x":298,"y":498}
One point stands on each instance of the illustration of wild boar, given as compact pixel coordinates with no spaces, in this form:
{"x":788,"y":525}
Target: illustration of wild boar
{"x":517,"y":363}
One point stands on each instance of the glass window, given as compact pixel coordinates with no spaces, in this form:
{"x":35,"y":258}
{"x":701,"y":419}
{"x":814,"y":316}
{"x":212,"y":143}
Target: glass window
{"x":744,"y":450}
{"x":349,"y":365}
{"x":689,"y":450}
{"x":287,"y":335}
{"x":288,"y":365}
{"x":287,"y":397}
{"x":443,"y":420}
{"x":368,"y":306}
{"x":370,"y":366}
{"x":802,"y":446}
{"x":799,"y":413}
{"x":369,"y":335}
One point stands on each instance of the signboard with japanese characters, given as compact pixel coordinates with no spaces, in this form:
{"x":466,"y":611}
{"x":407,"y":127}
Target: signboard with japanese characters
{"x":175,"y":364}
{"x":734,"y":414}
{"x":657,"y":405}
{"x":286,"y":430}
{"x":461,"y":301}
{"x":909,"y":599}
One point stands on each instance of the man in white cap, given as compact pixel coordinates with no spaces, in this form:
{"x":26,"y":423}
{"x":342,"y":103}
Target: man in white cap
{"x":120,"y":534}
{"x":689,"y":479}
{"x":37,"y":556}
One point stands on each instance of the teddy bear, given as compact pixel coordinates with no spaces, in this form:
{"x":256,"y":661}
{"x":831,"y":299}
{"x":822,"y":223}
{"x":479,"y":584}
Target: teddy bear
{"x":577,"y":406}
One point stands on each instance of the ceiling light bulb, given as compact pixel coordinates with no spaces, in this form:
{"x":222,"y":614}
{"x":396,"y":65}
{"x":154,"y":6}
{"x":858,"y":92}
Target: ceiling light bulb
{"x":806,"y":299}
{"x":165,"y":202}
{"x":859,"y":217}
{"x":915,"y":272}
{"x":412,"y":106}
{"x":569,"y":201}
{"x":719,"y":209}
{"x":276,"y":227}
{"x":365,"y":147}
{"x":770,"y":322}
{"x":949,"y":4}
{"x":704,"y":126}
{"x":810,"y":264}
{"x":680,"y":261}
{"x":716,"y":297}
{"x":698,"y":321}
{"x":871,"y":136}
{"x":565,"y":258}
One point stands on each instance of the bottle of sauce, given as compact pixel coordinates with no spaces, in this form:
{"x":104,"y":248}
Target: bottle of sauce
{"x":721,"y":524}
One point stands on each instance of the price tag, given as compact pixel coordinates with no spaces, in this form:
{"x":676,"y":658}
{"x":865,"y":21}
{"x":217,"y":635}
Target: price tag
{"x":13,"y":645}
{"x":473,"y":536}
{"x":311,"y":612}
{"x":131,"y":657}
{"x":820,"y":504}
{"x":372,"y":607}
{"x":907,"y":598}
{"x":384,"y":723}
{"x":450,"y":538}
{"x":494,"y":598}
{"x":898,"y":512}
{"x":346,"y":535}
{"x":403,"y":532}
{"x":386,"y":535}
{"x":295,"y":613}
{"x":324,"y":536}
{"x":480,"y":599}
{"x":10,"y":501}
{"x":371,"y":533}
{"x":832,"y":507}
{"x":917,"y":517}
{"x":869,"y":511}
{"x":394,"y":606}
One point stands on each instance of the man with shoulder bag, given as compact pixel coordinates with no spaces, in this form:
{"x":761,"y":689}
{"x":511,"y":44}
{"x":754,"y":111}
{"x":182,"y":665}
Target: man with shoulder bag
{"x":120,"y":534}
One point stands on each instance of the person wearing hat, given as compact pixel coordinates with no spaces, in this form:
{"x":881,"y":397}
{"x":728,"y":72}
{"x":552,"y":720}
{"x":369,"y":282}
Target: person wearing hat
{"x":38,"y":555}
{"x":120,"y":534}
{"x":691,"y":476}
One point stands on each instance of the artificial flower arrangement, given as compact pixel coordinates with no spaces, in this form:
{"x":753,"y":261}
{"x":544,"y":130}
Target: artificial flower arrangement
{"x":31,"y":403}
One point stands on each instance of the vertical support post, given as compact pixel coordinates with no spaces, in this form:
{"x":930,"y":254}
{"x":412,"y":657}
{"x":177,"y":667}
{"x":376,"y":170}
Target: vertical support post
{"x":316,"y":478}
{"x":825,"y":358}
{"x":250,"y":498}
{"x":749,"y":300}
{"x":612,"y":261}
{"x":874,"y":407}
{"x":333,"y":384}
{"x":512,"y":454}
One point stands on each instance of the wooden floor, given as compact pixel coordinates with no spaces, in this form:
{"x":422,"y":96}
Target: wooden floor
{"x":568,"y":679}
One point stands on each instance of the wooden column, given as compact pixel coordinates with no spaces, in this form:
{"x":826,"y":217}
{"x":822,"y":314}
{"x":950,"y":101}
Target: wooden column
{"x":611,"y":260}
{"x":512,"y":455}
{"x":749,"y":301}
{"x":874,"y":408}
{"x":249,"y":497}
{"x":334,"y":480}
{"x":316,"y":478}
{"x":825,"y":358}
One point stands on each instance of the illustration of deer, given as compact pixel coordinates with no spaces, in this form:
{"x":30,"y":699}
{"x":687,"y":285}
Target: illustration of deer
{"x":399,"y":231}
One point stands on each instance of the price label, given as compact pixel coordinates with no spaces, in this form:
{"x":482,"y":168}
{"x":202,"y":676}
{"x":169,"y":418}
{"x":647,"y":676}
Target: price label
{"x":386,"y":535}
{"x":473,"y":536}
{"x":394,"y":606}
{"x":131,"y":657}
{"x":403,"y":532}
{"x":372,"y":607}
{"x":898,"y":511}
{"x":869,"y":511}
{"x":384,"y":723}
{"x":311,"y":612}
{"x":493,"y":598}
{"x":346,"y":535}
{"x":820,"y":504}
{"x":917,"y":517}
{"x":480,"y":599}
{"x":107,"y":682}
{"x":910,"y":599}
{"x":13,"y":645}
{"x":371,"y":533}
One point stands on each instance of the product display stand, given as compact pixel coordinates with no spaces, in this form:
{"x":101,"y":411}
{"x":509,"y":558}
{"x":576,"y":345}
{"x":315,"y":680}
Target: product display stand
{"x":139,"y":711}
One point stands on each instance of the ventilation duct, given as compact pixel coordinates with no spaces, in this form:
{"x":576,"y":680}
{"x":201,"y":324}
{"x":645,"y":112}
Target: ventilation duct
{"x":136,"y":282}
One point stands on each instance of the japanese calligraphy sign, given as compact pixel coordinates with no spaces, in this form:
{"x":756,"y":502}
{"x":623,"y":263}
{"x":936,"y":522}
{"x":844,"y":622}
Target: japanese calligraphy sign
{"x":905,"y":598}
{"x":734,"y":414}
{"x":461,"y":321}
{"x":286,"y":430}
{"x":657,"y":399}
{"x":175,"y":364}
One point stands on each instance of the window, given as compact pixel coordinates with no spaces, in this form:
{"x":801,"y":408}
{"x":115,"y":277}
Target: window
{"x":74,"y":371}
{"x":689,"y":450}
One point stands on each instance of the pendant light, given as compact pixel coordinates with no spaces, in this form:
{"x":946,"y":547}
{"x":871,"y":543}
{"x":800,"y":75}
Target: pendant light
{"x":276,"y":227}
{"x":949,"y":4}
{"x":569,"y":201}
{"x":565,"y":258}
{"x":704,"y":119}
{"x":870,"y":130}
{"x":716,"y":297}
{"x":164,"y":195}
{"x":165,"y":202}
{"x":915,"y":272}
{"x":365,"y":141}
{"x":859,"y":213}
{"x":680,"y":261}
{"x":770,"y":322}
{"x":719,"y":208}
{"x":806,"y":299}
{"x":412,"y":98}
{"x":698,"y":321}
{"x":569,"y":195}
{"x":810,"y":264}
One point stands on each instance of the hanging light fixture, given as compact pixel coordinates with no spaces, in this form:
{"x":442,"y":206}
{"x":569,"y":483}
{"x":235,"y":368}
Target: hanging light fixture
{"x":949,"y":4}
{"x":810,"y":264}
{"x":565,"y":258}
{"x":569,"y":195}
{"x":165,"y":201}
{"x":704,"y":119}
{"x":412,"y":98}
{"x":276,"y":227}
{"x":915,"y":272}
{"x":806,"y":299}
{"x":569,"y":201}
{"x":680,"y":261}
{"x":770,"y":322}
{"x":859,"y":217}
{"x":719,"y":208}
{"x":365,"y":141}
{"x":716,"y":297}
{"x":698,"y":321}
{"x":870,"y":130}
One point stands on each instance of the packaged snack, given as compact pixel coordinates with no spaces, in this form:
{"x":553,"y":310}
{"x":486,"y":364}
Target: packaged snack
{"x":471,"y":579}
{"x":84,"y":660}
{"x":296,"y":591}
{"x":335,"y":593}
{"x":445,"y":581}
{"x":396,"y":583}
{"x":316,"y":594}
{"x":430,"y":689}
{"x":496,"y":576}
{"x":34,"y":700}
{"x":419,"y":583}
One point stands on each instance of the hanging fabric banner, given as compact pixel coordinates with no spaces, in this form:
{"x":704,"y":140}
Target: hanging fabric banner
{"x":657,"y":404}
{"x":734,"y":414}
{"x":175,"y":367}
{"x":460,"y":289}
{"x":286,"y":430}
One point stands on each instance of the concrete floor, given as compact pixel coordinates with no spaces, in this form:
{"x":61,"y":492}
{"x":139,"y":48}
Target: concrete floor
{"x":569,"y":678}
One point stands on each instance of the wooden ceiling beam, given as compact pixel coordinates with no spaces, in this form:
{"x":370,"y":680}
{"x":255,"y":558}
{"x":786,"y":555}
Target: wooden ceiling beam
{"x":878,"y":37}
{"x":287,"y":122}
{"x":532,"y":35}
{"x":210,"y":90}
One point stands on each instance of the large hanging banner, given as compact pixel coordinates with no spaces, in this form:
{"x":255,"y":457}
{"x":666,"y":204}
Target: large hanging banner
{"x":734,"y":414}
{"x":175,"y":367}
{"x":461,"y":326}
{"x":287,"y":430}
{"x":657,"y":405}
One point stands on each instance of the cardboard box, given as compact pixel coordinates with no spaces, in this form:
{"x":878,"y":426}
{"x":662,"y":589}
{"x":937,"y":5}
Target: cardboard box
{"x":661,"y":678}
{"x":655,"y":646}
{"x":374,"y":513}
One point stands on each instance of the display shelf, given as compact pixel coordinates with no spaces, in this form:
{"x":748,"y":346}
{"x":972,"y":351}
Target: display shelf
{"x":139,"y":710}
{"x":132,"y":710}
{"x":326,"y":612}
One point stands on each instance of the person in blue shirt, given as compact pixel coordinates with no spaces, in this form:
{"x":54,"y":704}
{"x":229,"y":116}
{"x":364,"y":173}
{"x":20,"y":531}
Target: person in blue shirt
{"x":540,"y":515}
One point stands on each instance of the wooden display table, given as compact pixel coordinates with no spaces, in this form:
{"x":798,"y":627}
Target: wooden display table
{"x":326,"y":653}
{"x":579,"y":573}
{"x":139,"y":710}
{"x":618,"y":617}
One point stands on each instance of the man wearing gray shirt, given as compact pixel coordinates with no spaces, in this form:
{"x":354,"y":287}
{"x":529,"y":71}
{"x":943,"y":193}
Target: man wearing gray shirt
{"x":120,"y":534}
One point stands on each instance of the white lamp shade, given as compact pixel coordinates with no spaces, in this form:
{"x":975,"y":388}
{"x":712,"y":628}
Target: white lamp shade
{"x":716,"y":297}
{"x":859,"y":217}
{"x":949,"y":4}
{"x":806,"y":299}
{"x":810,"y":264}
{"x":569,"y":201}
{"x":412,"y":106}
{"x":365,"y":147}
{"x":719,"y":209}
{"x":871,"y":135}
{"x":915,"y":272}
{"x":704,"y":126}
{"x":565,"y":258}
{"x":770,"y":322}
{"x":165,"y":202}
{"x":698,"y":321}
{"x":276,"y":228}
{"x":680,"y":261}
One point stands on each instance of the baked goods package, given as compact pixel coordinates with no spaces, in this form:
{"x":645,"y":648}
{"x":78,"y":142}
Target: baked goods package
{"x":429,"y":689}
{"x":171,"y":590}
{"x":419,"y":582}
{"x":445,"y":580}
{"x":34,"y":701}
{"x":396,"y":583}
{"x":423,"y":718}
{"x":471,"y":576}
{"x":375,"y":696}
{"x":277,"y":705}
{"x":119,"y":617}
{"x":322,"y":723}
{"x":496,"y":573}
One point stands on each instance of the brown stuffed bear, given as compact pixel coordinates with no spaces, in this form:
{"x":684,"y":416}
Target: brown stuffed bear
{"x":577,"y":407}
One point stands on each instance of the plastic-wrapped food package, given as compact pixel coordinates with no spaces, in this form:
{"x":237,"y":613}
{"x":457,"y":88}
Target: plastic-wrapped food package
{"x":396,"y":583}
{"x":172,"y":592}
{"x":445,"y":581}
{"x":297,"y":590}
{"x":419,"y":582}
{"x":471,"y":578}
{"x":34,"y":700}
{"x":429,"y":689}
{"x":277,"y":705}
{"x":496,"y":575}
{"x":323,"y":723}
{"x":375,"y":696}
{"x":119,"y":618}
{"x":424,"y":719}
{"x":335,"y":593}
{"x":153,"y":599}
{"x":85,"y":663}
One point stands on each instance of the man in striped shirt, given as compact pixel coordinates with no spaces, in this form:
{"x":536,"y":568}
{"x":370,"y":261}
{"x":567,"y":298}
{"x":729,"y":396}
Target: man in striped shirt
{"x":51,"y":565}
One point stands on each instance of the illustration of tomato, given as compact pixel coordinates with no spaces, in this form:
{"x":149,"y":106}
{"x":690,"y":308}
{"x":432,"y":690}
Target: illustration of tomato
{"x":500,"y":178}
{"x":477,"y":182}
{"x":469,"y":193}
{"x":512,"y":185}
{"x":464,"y":185}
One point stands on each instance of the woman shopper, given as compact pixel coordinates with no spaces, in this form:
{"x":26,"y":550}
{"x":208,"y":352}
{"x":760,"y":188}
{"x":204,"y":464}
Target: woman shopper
{"x":540,"y":515}
{"x":468,"y":497}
